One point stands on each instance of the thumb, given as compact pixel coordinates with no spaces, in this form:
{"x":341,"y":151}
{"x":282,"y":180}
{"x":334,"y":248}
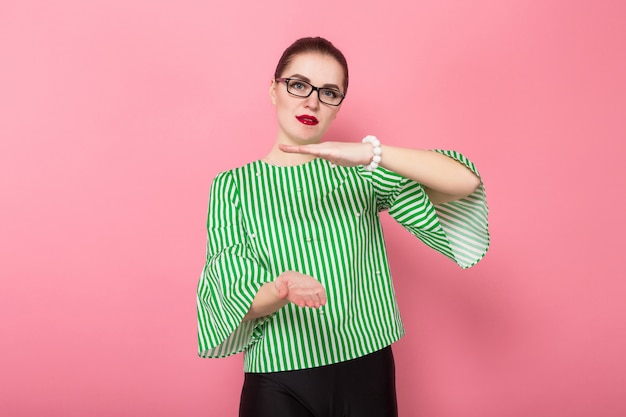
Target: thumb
{"x":281,"y":287}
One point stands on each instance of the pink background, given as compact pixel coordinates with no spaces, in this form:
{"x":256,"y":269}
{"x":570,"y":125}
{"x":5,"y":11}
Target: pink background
{"x":115,"y":115}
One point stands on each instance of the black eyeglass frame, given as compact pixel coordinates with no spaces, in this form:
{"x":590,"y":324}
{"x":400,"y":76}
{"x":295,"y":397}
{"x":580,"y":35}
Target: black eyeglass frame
{"x":313,"y":88}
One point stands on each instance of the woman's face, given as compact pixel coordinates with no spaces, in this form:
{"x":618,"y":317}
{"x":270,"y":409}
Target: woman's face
{"x":306,"y":120}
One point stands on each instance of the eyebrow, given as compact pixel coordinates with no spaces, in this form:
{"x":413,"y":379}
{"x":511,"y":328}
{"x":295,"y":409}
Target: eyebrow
{"x":303,"y":78}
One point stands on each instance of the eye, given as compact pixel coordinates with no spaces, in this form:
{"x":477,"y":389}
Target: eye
{"x":298,"y":85}
{"x":327,"y":92}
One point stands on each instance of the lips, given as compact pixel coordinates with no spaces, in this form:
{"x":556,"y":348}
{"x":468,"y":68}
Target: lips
{"x":307,"y":120}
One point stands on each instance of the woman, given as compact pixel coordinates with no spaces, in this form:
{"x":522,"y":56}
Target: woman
{"x":296,"y":274}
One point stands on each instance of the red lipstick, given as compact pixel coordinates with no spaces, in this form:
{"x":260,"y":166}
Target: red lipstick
{"x":307,"y":120}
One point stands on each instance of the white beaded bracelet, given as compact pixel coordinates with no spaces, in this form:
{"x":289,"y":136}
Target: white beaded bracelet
{"x":377,"y":152}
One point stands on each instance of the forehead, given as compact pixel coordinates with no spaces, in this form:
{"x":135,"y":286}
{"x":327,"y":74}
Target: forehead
{"x":319,"y":68}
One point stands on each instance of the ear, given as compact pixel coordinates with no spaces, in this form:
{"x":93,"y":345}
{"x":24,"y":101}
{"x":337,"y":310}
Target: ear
{"x":273,"y":92}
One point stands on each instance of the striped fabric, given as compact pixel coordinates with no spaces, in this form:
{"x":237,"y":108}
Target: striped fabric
{"x":323,"y":221}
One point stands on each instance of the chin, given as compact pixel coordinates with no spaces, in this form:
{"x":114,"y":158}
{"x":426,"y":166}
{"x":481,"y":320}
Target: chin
{"x":304,"y":139}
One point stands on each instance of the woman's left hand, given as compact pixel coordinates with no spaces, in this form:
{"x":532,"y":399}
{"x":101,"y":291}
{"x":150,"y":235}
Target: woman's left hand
{"x":339,"y":153}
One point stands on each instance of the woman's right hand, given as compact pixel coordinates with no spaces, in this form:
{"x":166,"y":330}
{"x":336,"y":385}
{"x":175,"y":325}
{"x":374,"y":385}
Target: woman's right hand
{"x":300,"y":289}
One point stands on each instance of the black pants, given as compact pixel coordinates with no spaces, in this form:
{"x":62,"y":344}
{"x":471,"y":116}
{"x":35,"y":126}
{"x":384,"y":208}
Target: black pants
{"x":361,"y":387}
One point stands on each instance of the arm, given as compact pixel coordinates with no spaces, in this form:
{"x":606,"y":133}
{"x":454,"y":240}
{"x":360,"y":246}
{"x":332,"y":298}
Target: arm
{"x":443,"y":178}
{"x":459,"y":230}
{"x":231,"y":277}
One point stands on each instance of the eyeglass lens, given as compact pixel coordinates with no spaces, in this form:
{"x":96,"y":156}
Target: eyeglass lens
{"x":303,"y":89}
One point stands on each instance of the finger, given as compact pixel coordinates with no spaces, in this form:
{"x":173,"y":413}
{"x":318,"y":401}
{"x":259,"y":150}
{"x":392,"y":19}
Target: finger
{"x":296,"y":149}
{"x":323,"y":299}
{"x":290,"y":148}
{"x":315,"y":301}
{"x":306,"y":302}
{"x":318,"y":300}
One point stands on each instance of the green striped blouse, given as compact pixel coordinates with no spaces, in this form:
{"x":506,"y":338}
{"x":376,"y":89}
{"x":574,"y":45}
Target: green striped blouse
{"x":323,"y":221}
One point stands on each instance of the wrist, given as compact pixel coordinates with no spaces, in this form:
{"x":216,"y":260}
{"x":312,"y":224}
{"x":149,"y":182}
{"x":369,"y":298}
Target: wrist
{"x":376,"y":152}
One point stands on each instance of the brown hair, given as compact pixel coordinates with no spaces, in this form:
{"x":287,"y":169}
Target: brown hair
{"x":316,"y":44}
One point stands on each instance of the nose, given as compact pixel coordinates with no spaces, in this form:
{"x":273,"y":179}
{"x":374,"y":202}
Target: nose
{"x":312,"y":101}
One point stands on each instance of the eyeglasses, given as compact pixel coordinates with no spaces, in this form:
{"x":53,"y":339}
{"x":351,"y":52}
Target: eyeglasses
{"x":299,"y":88}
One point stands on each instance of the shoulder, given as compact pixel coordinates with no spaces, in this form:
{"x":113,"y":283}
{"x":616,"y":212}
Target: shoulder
{"x":236,"y":173}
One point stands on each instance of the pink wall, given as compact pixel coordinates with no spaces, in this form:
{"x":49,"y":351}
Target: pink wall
{"x":115,"y":115}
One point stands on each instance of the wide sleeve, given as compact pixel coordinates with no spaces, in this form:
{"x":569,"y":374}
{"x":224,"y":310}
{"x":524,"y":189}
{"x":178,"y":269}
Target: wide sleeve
{"x":457,"y":229}
{"x":231,"y":277}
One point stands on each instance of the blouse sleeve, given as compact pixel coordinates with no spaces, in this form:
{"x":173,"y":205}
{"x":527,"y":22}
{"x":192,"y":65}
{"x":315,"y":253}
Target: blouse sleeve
{"x":230,"y":279}
{"x":457,"y":229}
